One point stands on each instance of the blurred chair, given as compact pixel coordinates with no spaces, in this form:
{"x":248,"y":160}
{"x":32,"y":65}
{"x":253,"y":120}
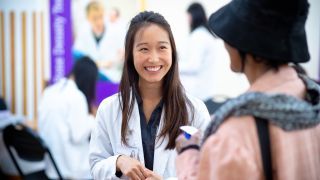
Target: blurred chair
{"x":28,"y":146}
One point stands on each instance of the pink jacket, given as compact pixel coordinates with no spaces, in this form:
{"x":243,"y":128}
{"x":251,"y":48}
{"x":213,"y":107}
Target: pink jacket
{"x":233,"y":152}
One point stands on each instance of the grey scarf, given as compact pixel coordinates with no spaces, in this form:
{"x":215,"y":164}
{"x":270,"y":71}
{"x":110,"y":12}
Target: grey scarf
{"x":284,"y":111}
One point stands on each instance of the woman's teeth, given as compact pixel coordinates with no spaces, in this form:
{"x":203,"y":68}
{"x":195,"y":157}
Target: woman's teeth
{"x":153,"y":68}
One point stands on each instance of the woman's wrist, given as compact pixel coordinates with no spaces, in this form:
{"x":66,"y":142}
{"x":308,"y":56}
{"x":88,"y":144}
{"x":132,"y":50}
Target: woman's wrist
{"x":118,"y":169}
{"x":118,"y":163}
{"x":190,"y":146}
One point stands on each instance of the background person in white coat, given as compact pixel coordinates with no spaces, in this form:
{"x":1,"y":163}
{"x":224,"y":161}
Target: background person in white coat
{"x":65,"y":123}
{"x":136,"y":129}
{"x":102,"y":41}
{"x":198,"y":62}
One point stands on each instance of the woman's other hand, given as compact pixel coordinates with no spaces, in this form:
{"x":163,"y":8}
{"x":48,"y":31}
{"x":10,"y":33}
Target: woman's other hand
{"x":182,"y":141}
{"x":150,"y":175}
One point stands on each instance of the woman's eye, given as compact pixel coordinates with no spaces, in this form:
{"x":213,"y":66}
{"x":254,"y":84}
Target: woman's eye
{"x":143,"y":49}
{"x":163,"y":47}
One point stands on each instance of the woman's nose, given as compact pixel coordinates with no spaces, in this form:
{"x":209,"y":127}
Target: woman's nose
{"x":154,"y":57}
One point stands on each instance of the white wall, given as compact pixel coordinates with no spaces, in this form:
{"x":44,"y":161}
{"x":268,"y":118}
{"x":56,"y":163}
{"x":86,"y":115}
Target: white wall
{"x":313,"y":37}
{"x":29,"y":7}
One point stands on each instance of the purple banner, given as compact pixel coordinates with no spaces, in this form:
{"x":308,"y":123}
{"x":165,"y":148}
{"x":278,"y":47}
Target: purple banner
{"x":60,"y":33}
{"x":105,"y":89}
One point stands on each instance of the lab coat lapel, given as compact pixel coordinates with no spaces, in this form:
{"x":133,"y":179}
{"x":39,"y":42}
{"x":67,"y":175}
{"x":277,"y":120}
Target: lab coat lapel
{"x":161,"y":155}
{"x":135,"y":131}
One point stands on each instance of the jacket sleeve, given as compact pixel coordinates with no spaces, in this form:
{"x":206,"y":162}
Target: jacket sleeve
{"x":221,"y":157}
{"x":102,"y":159}
{"x":187,"y":165}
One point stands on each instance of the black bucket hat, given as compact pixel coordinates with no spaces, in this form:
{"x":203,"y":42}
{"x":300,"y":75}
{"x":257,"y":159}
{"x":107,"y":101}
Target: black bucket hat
{"x":270,"y":29}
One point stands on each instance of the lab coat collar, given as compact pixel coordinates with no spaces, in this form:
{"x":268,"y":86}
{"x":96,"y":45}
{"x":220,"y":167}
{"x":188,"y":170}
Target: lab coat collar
{"x":161,"y":155}
{"x":134,"y":131}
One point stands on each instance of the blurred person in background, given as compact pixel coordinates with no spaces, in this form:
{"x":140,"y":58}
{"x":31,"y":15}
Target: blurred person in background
{"x":272,"y":131}
{"x":101,"y":41}
{"x":198,"y":62}
{"x":136,"y":128}
{"x":116,"y":22}
{"x":117,"y":29}
{"x":65,"y":120}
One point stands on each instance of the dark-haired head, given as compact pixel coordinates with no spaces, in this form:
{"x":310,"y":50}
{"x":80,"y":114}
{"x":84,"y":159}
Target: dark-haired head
{"x":198,"y":16}
{"x":85,"y":73}
{"x":173,"y":94}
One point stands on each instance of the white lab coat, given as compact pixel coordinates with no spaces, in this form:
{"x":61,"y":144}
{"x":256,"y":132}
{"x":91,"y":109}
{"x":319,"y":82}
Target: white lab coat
{"x":106,"y":146}
{"x":205,"y":67}
{"x":65,"y":125}
{"x":198,"y":63}
{"x":109,"y":48}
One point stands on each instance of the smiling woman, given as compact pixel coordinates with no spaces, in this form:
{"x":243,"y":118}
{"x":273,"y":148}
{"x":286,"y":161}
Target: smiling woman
{"x":152,"y":54}
{"x":136,"y":129}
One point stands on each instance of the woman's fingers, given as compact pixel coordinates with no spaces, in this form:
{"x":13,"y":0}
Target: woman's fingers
{"x":130,"y":167}
{"x":147,"y":172}
{"x":139,"y":171}
{"x":180,"y":141}
{"x":134,"y":176}
{"x":150,"y":175}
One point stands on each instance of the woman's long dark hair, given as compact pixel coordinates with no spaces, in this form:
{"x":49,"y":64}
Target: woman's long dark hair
{"x":85,"y":73}
{"x":198,"y":17}
{"x":174,"y":98}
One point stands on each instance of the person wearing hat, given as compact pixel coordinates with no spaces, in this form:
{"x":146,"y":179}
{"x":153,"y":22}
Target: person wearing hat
{"x":272,"y":131}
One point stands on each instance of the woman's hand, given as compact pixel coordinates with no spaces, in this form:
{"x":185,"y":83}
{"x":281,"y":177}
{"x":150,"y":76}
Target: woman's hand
{"x":150,"y":175}
{"x":130,"y":167}
{"x":182,"y":142}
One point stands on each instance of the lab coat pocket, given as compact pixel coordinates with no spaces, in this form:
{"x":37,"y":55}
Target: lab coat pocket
{"x":130,"y":151}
